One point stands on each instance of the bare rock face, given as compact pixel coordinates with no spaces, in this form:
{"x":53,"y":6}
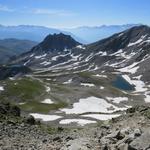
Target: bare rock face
{"x":142,"y":142}
{"x":56,"y":42}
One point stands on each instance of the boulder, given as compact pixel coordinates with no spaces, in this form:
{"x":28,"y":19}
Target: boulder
{"x":141,"y":143}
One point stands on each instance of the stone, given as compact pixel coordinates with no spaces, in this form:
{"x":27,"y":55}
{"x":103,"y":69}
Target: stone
{"x":58,"y":139}
{"x":30,"y":120}
{"x":123,"y":146}
{"x":137,"y":132}
{"x":142,"y":142}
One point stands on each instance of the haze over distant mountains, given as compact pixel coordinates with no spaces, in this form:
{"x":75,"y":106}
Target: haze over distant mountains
{"x":83,"y":34}
{"x":92,"y":34}
{"x":13,"y":47}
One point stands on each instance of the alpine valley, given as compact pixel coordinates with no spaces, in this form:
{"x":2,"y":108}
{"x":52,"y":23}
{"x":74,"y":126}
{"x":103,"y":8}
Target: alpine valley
{"x":77,"y":88}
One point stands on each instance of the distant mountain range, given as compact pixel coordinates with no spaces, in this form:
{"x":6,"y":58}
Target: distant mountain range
{"x":29,"y":32}
{"x":92,"y":34}
{"x":82,"y":34}
{"x":14,"y":47}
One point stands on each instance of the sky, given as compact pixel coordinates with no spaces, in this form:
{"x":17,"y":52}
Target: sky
{"x":73,"y":13}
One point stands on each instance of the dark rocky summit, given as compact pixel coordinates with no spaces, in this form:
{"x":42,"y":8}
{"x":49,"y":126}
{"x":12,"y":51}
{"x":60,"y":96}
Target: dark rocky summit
{"x":56,"y":42}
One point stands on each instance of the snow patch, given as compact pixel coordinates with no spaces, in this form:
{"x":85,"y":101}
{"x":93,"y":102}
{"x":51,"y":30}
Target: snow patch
{"x":45,"y":63}
{"x":68,"y":82}
{"x":102,"y":116}
{"x":1,"y":88}
{"x":101,"y":87}
{"x":80,"y":46}
{"x":40,"y":56}
{"x":47,"y":101}
{"x":139,"y":85}
{"x":137,"y":42}
{"x":91,"y":104}
{"x":45,"y":117}
{"x":48,"y":89}
{"x":88,"y":84}
{"x":117,"y":100}
{"x":80,"y":122}
{"x":131,"y":68}
{"x":100,"y":75}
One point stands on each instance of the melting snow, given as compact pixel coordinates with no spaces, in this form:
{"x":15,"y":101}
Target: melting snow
{"x":80,"y":46}
{"x":45,"y":63}
{"x":81,"y":122}
{"x":100,"y":75}
{"x":45,"y":117}
{"x":130,"y":69}
{"x":104,"y":54}
{"x":22,"y":103}
{"x":1,"y":88}
{"x":91,"y":104}
{"x":47,"y":101}
{"x":137,"y":42}
{"x":40,"y":56}
{"x":147,"y":98}
{"x":102,"y":116}
{"x":88,"y":84}
{"x":101,"y":87}
{"x":68,"y":82}
{"x":117,"y":99}
{"x":32,"y":55}
{"x":26,"y":62}
{"x":139,"y":85}
{"x":48,"y":89}
{"x":55,"y":58}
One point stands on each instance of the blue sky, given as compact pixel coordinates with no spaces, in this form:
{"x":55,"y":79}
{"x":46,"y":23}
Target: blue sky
{"x":72,"y":13}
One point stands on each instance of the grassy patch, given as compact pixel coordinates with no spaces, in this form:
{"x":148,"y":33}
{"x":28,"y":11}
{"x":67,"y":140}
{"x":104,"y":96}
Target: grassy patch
{"x":92,"y":79}
{"x":61,"y":88}
{"x":38,"y":107}
{"x":24,"y":89}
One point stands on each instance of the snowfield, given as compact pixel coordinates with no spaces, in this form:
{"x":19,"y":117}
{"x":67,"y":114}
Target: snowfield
{"x":117,"y":100}
{"x":131,"y":69}
{"x":92,"y":104}
{"x":102,"y":116}
{"x":139,"y":85}
{"x":80,"y":122}
{"x":45,"y":117}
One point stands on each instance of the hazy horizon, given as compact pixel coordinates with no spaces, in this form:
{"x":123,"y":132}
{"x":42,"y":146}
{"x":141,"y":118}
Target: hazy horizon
{"x":75,"y":13}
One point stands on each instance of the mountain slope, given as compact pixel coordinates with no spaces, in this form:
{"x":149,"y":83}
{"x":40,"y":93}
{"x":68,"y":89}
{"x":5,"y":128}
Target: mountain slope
{"x":14,"y":47}
{"x":85,"y":83}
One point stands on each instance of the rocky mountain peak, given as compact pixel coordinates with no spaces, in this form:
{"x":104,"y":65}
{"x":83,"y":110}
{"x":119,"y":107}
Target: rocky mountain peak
{"x":128,"y":38}
{"x":56,"y":42}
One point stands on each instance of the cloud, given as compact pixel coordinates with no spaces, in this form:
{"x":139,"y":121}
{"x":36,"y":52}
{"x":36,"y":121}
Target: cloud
{"x":52,"y":12}
{"x":5,"y":8}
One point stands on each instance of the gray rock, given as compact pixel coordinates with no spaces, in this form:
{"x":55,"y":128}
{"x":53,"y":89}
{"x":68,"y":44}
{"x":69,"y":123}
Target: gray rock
{"x":123,"y":146}
{"x":30,"y":120}
{"x":137,"y":132}
{"x":125,"y":131}
{"x":142,"y":142}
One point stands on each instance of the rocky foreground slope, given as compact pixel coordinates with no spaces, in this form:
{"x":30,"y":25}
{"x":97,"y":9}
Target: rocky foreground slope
{"x":130,"y":131}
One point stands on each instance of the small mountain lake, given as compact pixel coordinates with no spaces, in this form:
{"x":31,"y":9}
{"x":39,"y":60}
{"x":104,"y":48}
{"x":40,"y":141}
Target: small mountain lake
{"x":122,"y":84}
